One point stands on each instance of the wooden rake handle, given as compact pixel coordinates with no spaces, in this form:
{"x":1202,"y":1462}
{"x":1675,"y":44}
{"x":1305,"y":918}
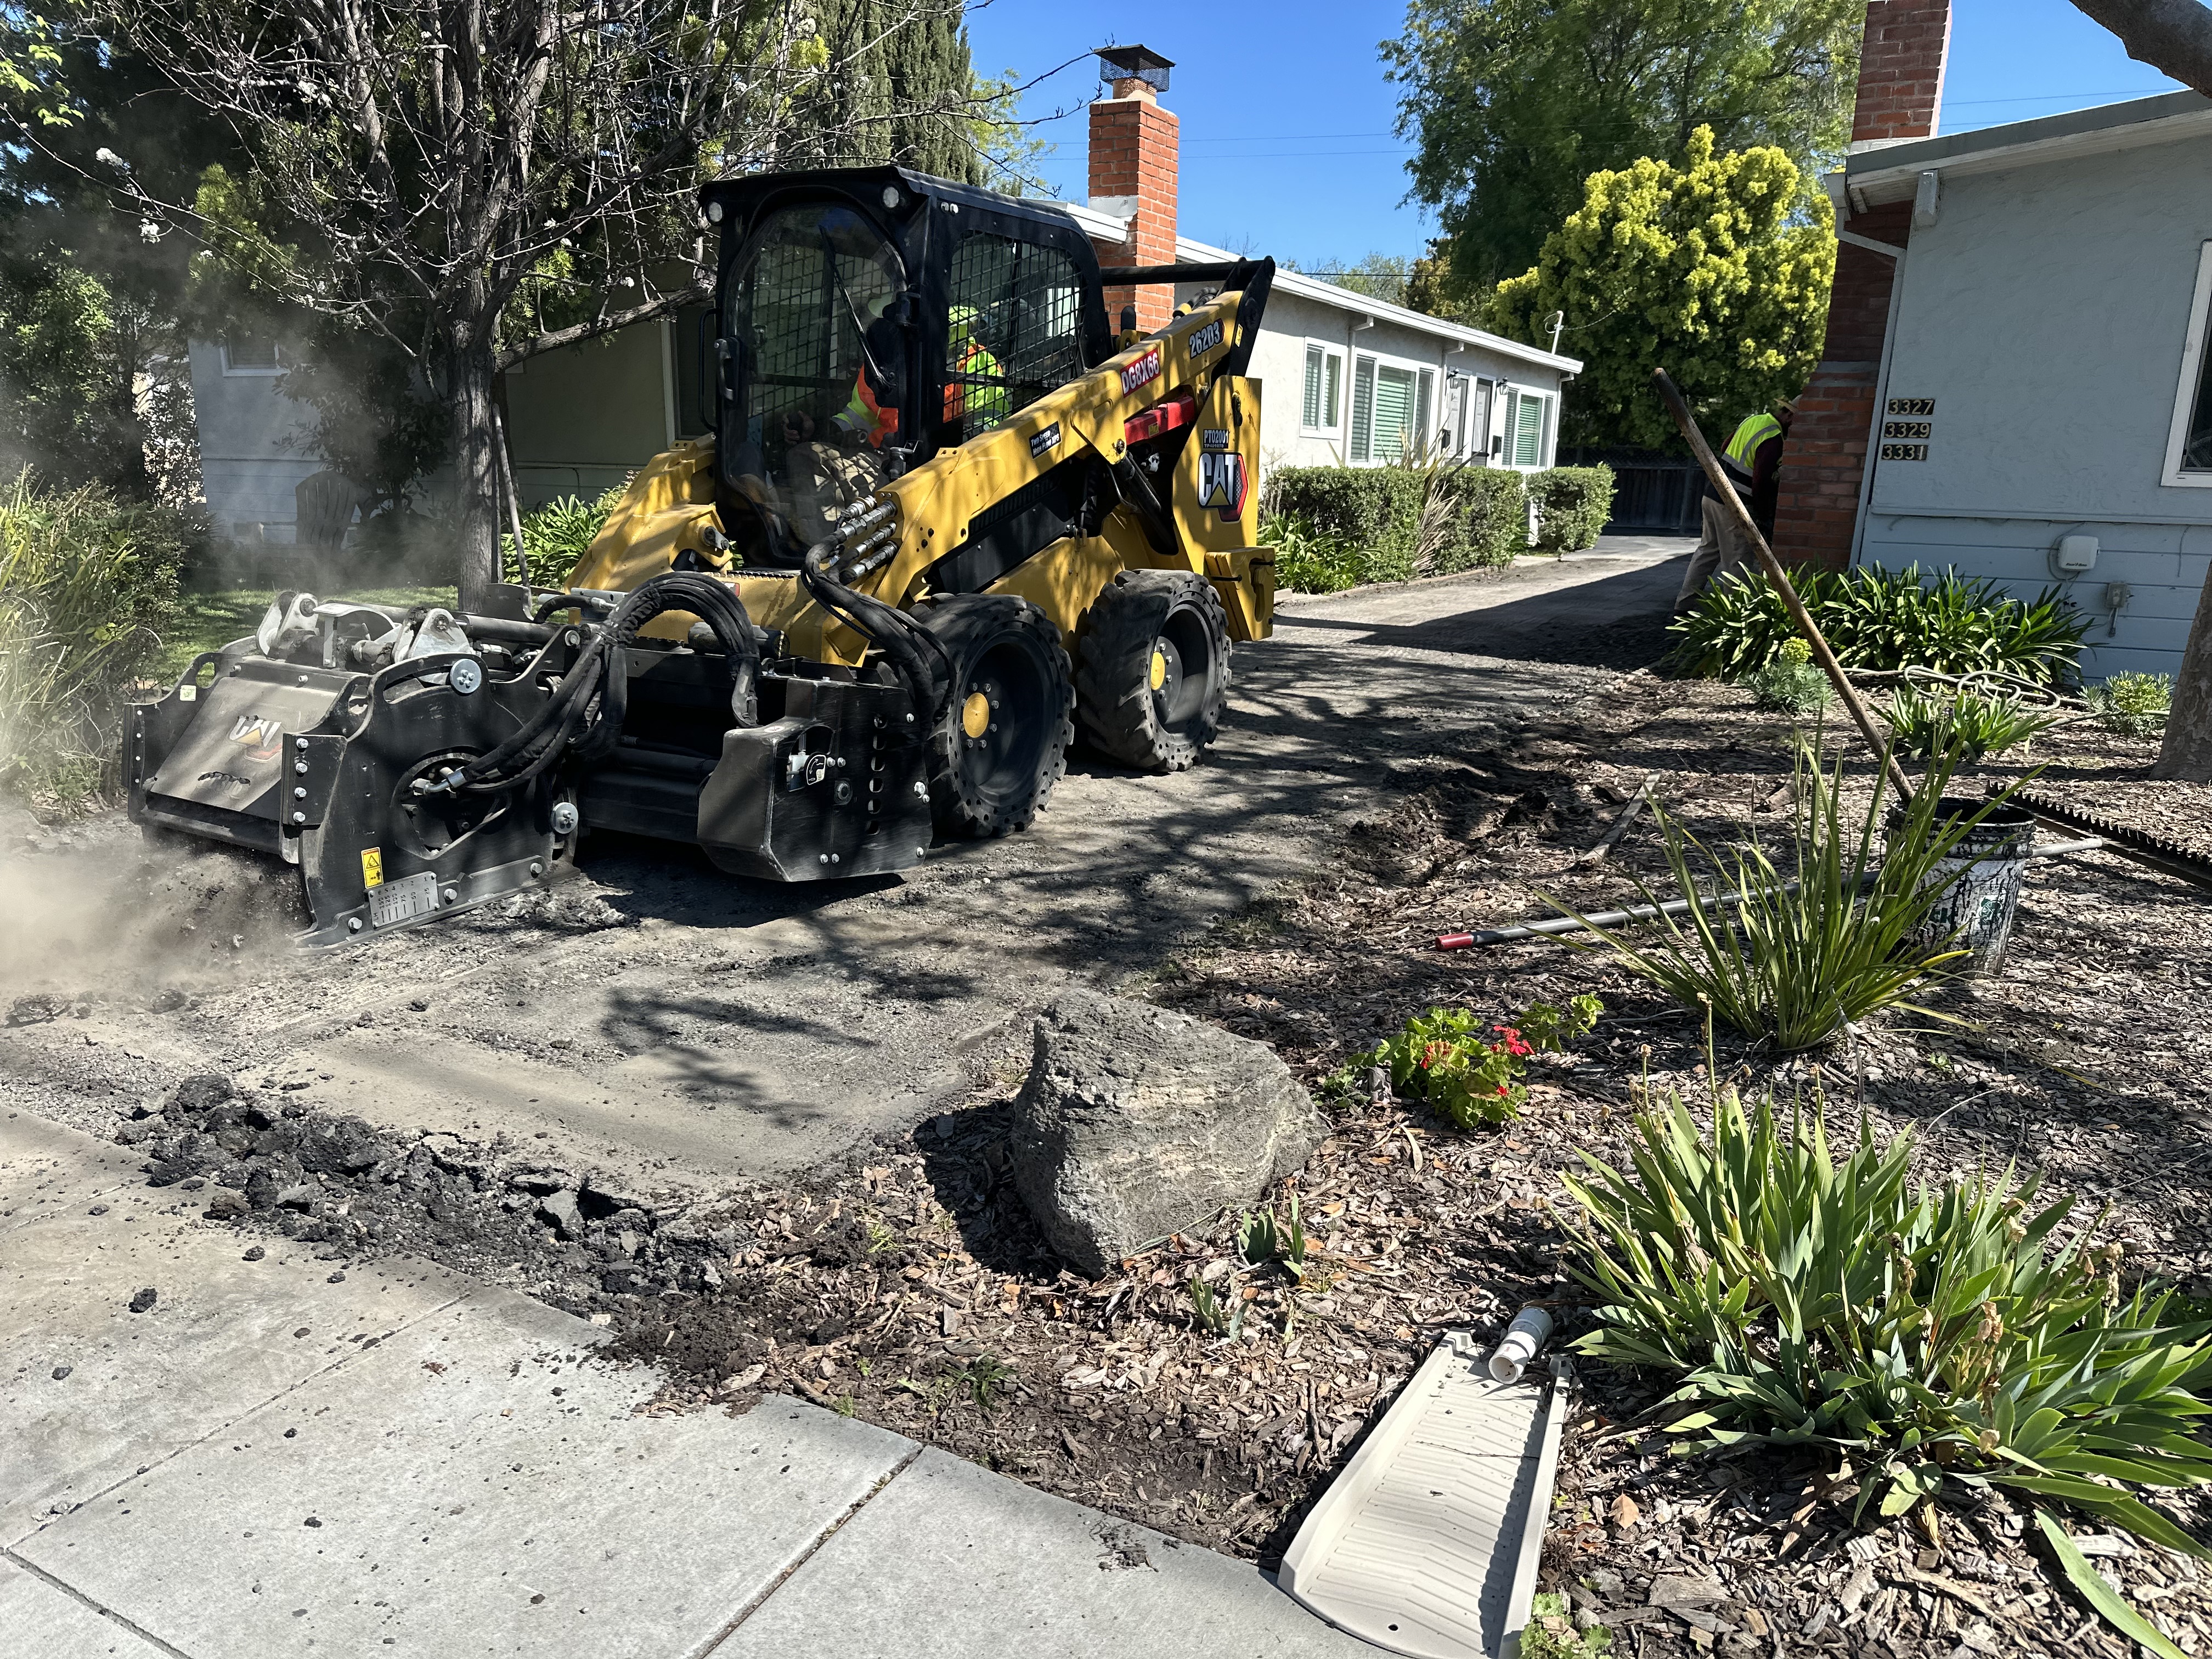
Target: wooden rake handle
{"x":1733,"y":505}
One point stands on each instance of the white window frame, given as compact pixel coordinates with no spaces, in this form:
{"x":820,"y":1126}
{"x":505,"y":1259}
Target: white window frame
{"x":1413,"y":366}
{"x":1328,"y":349}
{"x":1511,"y":427}
{"x":250,"y":371}
{"x":2192,"y":376}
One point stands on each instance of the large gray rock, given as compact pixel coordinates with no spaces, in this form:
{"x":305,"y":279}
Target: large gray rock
{"x":1137,"y":1122}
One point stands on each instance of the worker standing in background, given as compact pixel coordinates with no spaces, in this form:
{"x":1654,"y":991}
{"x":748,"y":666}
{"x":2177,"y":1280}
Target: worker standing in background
{"x":1752,"y":462}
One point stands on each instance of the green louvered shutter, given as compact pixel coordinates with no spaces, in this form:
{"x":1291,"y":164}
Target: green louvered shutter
{"x":1363,"y":409}
{"x":1529,"y":431}
{"x":1393,"y":409}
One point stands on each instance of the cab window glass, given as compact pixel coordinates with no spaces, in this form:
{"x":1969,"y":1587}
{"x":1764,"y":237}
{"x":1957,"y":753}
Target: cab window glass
{"x":1013,"y":330}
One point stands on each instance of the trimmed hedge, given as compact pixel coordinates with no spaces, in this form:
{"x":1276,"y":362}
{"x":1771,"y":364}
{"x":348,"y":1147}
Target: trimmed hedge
{"x":1347,"y":526}
{"x":1573,"y":505}
{"x":1373,"y":514}
{"x":1492,"y":524}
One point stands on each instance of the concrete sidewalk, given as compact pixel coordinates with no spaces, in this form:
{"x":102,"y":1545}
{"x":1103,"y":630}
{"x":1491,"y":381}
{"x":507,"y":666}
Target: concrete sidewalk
{"x":281,"y":1456}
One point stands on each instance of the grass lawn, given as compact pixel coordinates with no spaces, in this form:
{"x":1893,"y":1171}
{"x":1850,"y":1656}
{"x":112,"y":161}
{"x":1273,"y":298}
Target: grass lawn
{"x":212,"y":619}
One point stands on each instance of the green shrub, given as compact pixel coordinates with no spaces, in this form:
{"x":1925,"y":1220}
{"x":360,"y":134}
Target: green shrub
{"x":1445,"y":1058}
{"x":1922,"y":722}
{"x":558,"y":534}
{"x":1930,"y":1332}
{"x":1370,"y":517}
{"x":1305,"y":561}
{"x":87,"y":583}
{"x":1573,"y":504}
{"x":1491,"y":526}
{"x":2133,"y":705}
{"x":1790,"y":684}
{"x":1790,"y":962}
{"x":1883,"y":619}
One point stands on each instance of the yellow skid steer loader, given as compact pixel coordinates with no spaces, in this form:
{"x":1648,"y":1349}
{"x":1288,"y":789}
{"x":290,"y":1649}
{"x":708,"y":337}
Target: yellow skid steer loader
{"x":946,"y":522}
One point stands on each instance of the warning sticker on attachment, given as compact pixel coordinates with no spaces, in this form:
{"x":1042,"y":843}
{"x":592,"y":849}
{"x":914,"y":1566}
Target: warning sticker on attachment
{"x":395,"y":902}
{"x":372,"y":866}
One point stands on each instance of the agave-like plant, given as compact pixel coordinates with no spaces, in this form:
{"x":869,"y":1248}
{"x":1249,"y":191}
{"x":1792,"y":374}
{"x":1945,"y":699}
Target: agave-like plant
{"x":1788,"y":954}
{"x":1931,"y":1332}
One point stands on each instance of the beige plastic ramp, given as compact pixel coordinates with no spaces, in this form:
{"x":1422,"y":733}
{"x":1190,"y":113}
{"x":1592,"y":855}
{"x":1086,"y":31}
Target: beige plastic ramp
{"x":1427,"y":1544}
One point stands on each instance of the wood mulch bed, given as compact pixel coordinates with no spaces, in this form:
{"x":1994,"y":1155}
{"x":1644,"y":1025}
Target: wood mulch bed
{"x":911,"y":1289}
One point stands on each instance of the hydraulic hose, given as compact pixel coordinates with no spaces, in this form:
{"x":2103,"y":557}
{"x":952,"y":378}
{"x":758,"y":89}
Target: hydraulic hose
{"x":897,"y":635}
{"x":583,"y":718}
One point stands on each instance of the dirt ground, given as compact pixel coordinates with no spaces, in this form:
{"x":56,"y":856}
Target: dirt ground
{"x":903,"y":1282}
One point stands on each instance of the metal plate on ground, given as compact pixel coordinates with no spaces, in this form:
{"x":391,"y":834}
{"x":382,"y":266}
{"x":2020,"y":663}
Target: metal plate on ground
{"x":1426,"y":1544}
{"x":404,"y":900}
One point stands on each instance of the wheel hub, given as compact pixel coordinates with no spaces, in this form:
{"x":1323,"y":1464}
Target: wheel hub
{"x":1165,"y":676}
{"x":975,"y":714}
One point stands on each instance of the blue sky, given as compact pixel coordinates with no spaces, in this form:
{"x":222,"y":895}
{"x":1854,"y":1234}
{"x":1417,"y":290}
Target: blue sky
{"x":1287,"y":146}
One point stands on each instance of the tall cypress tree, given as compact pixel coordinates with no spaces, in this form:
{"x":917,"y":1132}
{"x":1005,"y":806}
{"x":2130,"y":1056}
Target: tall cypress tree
{"x":903,"y":98}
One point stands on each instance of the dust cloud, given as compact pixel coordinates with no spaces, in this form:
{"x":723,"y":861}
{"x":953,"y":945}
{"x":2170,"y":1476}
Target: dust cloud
{"x":95,"y":910}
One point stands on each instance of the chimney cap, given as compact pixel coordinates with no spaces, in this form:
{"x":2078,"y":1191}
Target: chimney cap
{"x":1134,"y":64}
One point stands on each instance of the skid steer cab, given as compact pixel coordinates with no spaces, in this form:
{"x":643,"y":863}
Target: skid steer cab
{"x":951,"y":520}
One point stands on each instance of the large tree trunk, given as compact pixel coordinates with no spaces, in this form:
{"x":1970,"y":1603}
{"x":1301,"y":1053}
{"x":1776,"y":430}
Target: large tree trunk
{"x":2187,"y":751}
{"x":476,"y":468}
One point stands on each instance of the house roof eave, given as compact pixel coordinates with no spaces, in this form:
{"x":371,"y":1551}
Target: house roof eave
{"x":1892,"y":173}
{"x":1310,"y":288}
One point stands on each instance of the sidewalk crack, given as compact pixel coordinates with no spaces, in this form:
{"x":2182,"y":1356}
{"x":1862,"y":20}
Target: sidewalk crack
{"x":804,"y":1557}
{"x":86,"y":1601}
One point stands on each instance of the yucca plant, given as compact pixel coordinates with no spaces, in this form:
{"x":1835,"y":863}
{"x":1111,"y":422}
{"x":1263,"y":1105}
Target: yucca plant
{"x":1790,"y":954}
{"x":1929,"y":1331}
{"x":1921,"y":720}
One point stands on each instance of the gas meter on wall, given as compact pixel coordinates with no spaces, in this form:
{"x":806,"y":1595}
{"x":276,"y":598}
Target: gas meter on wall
{"x":2074,"y":555}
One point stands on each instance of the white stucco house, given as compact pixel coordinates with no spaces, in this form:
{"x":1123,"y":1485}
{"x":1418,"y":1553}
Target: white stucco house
{"x":1347,"y":380}
{"x":2043,"y":407}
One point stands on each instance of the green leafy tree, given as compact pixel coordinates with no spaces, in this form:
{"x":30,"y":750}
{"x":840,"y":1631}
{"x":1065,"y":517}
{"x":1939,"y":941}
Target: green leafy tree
{"x":413,"y":170}
{"x":1514,"y":102}
{"x":1717,"y":270}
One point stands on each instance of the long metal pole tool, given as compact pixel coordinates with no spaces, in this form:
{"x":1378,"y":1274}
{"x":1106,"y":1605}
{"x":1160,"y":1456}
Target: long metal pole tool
{"x":1732,"y":504}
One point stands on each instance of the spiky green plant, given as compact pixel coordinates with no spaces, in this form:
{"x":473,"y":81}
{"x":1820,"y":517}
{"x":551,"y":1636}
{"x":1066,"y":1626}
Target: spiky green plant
{"x":1884,"y":619}
{"x":1788,"y":954}
{"x":1929,"y":1330}
{"x":1922,"y":720}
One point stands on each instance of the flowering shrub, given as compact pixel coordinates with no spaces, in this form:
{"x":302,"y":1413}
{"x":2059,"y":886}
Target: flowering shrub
{"x":1471,"y":1074}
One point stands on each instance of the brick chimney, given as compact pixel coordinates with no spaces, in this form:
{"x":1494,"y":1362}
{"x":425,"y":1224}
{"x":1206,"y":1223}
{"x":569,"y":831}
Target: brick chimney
{"x":1133,"y":161}
{"x":1824,"y":464}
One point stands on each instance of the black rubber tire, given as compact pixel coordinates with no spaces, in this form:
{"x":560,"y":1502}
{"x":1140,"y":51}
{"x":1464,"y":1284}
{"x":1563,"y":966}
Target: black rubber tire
{"x":1158,"y":716}
{"x":1007,"y":651}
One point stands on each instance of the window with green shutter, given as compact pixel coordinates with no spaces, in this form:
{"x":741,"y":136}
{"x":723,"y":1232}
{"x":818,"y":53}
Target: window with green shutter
{"x":1527,"y":430}
{"x":1324,"y":390}
{"x":1423,"y":395}
{"x":1363,"y":409}
{"x":1394,"y":413}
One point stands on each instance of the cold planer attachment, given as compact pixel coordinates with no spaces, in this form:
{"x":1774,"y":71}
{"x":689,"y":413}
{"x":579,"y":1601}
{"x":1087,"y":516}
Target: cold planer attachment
{"x":412,"y":765}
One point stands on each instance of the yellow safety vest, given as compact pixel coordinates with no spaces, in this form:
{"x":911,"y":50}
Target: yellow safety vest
{"x":1743,"y":448}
